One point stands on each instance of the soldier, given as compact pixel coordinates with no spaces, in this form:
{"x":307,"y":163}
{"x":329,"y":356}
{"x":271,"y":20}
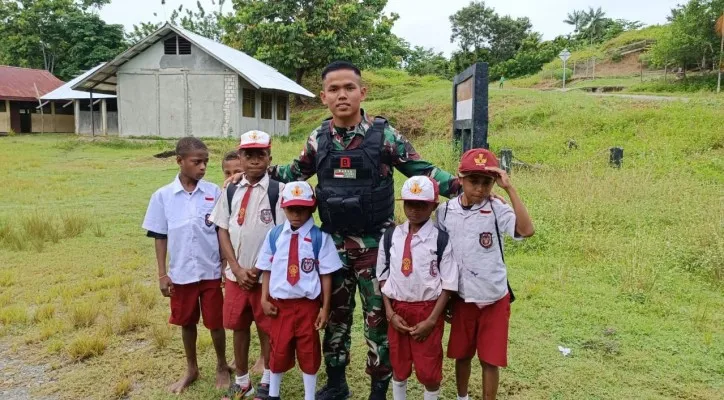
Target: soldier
{"x":352,"y":155}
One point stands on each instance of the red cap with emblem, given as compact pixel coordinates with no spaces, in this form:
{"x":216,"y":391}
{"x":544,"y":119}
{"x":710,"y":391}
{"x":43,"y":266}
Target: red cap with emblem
{"x":476,"y":161}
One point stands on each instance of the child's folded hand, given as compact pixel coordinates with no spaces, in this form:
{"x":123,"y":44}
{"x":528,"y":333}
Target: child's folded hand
{"x":421,"y":331}
{"x":400,"y":324}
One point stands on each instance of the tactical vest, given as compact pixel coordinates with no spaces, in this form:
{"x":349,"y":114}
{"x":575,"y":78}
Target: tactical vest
{"x":353,"y":196}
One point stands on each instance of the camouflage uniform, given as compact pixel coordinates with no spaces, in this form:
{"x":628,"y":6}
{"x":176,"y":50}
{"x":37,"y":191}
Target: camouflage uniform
{"x":359,"y":254}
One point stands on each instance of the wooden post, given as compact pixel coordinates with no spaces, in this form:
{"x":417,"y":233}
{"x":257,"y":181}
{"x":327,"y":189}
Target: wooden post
{"x":666,"y":71}
{"x":104,"y":118}
{"x":7,"y":109}
{"x":506,"y":160}
{"x":594,"y":68}
{"x":616,"y":157}
{"x":642,"y":70}
{"x":93,"y":122}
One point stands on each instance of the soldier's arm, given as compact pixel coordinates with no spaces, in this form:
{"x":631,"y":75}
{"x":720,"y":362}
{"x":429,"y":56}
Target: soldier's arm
{"x":301,"y":168}
{"x":408,"y":161}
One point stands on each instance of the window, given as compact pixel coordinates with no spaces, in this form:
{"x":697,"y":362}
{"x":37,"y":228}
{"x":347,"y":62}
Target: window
{"x":2,"y":106}
{"x":266,"y":105}
{"x":176,"y":45}
{"x":282,"y":107}
{"x":67,"y":110}
{"x":248,"y":104}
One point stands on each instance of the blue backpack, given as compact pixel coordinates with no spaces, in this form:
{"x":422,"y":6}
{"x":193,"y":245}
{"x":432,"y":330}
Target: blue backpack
{"x":315,"y":232}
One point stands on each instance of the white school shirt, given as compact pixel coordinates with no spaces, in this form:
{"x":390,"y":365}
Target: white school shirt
{"x":309,"y":285}
{"x":247,"y":238}
{"x":193,"y":245}
{"x":427,"y":280}
{"x":483,"y":276}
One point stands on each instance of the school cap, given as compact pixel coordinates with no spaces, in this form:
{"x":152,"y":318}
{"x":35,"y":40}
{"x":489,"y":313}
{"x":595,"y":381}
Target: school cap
{"x":298,"y":194}
{"x":475,"y":161}
{"x":420,"y":188}
{"x":255,"y":140}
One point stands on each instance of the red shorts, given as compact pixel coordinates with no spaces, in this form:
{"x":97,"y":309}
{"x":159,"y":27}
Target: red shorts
{"x":242,"y":306}
{"x":292,"y":330}
{"x":482,"y":329}
{"x":203,"y":298}
{"x":406,"y":351}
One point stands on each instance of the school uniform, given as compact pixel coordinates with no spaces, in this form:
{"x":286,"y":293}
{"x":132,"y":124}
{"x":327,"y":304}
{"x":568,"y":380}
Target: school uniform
{"x":248,"y":223}
{"x":193,"y":250}
{"x":481,"y":314}
{"x":295,"y":288}
{"x":414,"y":287}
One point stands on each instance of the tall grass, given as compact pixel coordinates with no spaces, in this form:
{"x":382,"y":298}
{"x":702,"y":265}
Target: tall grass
{"x":85,"y":346}
{"x":74,"y":225}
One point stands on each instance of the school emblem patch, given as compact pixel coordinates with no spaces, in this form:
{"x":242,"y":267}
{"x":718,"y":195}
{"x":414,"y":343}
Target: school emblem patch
{"x":486,"y":239}
{"x":433,"y":268}
{"x":207,"y":220}
{"x":307,"y":265}
{"x":265,"y":216}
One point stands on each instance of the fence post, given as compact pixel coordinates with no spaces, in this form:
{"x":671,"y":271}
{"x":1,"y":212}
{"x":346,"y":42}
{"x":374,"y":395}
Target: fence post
{"x":594,"y":68}
{"x":642,"y":70}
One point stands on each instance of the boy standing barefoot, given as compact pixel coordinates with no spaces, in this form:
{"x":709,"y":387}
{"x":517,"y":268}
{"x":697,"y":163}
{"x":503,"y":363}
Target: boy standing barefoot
{"x":178,"y":219}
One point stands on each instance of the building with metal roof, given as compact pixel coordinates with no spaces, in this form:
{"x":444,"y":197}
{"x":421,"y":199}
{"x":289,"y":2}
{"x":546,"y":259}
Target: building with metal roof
{"x":176,"y":83}
{"x":20,"y":89}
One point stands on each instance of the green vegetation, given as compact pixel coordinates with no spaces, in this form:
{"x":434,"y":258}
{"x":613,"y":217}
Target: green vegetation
{"x":625,"y":267}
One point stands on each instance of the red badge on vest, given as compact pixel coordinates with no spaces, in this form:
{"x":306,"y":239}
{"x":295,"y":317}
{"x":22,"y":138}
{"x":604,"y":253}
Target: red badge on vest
{"x":265,"y":216}
{"x":307,"y":265}
{"x":345,"y":162}
{"x":486,"y":239}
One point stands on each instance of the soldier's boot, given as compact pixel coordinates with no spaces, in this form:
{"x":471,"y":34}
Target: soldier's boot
{"x":378,"y":390}
{"x":336,"y":387}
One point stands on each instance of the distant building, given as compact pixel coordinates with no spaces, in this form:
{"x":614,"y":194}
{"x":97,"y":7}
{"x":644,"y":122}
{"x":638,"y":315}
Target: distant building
{"x":176,"y":83}
{"x":103,"y":121}
{"x":20,"y":111}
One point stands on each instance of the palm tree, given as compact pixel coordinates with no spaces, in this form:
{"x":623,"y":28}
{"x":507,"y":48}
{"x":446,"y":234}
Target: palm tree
{"x":594,"y":22}
{"x":575,"y":18}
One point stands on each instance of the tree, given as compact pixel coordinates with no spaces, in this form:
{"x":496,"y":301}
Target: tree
{"x":720,"y":32}
{"x":593,"y":23}
{"x":64,"y":37}
{"x":691,"y":38}
{"x":300,"y":36}
{"x":422,"y":61}
{"x":576,"y":19}
{"x":483,"y":35}
{"x":207,"y":24}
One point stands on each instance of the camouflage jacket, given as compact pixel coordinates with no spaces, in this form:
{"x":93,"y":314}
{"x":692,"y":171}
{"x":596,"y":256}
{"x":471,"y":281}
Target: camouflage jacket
{"x":403,"y":156}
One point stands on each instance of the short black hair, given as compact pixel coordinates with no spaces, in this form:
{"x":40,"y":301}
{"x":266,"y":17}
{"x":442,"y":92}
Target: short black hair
{"x":186,"y":145}
{"x":340,"y":65}
{"x":232,"y":155}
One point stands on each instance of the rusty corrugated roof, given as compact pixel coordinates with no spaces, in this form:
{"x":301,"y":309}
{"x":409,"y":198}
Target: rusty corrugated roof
{"x":19,"y":83}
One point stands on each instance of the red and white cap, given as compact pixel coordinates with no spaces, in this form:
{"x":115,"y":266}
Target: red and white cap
{"x":477,"y":161}
{"x":420,"y":188}
{"x":255,"y":140}
{"x":298,"y":193}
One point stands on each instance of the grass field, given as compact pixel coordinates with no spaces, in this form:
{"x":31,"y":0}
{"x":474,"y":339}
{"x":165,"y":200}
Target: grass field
{"x":626,"y":267}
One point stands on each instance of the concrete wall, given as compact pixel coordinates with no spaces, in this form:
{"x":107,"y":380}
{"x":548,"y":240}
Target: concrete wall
{"x":177,"y":95}
{"x":84,"y":123}
{"x":272,"y":126}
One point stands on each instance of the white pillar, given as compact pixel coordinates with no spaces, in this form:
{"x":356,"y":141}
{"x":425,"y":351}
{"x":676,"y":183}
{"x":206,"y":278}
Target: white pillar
{"x":10,"y":116}
{"x":76,"y":116}
{"x":104,"y":118}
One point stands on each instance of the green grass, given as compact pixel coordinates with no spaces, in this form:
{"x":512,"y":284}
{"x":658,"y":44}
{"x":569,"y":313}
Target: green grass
{"x":625,"y":267}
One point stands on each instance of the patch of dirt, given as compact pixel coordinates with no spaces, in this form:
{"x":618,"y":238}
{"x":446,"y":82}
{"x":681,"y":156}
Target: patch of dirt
{"x":18,"y":378}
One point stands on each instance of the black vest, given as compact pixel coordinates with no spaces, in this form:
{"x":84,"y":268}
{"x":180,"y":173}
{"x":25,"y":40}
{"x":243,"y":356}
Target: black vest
{"x":353,"y":196}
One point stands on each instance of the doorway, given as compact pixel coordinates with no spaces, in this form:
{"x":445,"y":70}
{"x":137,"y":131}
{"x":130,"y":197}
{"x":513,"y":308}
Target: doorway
{"x":26,"y":125}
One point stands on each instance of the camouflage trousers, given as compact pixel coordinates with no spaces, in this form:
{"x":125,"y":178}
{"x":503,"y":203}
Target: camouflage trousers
{"x":358,"y":272}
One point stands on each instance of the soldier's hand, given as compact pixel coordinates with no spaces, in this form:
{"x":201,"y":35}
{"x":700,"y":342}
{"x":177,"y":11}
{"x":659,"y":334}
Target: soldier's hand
{"x":270,"y":310}
{"x":399,"y":324}
{"x":233,"y":179}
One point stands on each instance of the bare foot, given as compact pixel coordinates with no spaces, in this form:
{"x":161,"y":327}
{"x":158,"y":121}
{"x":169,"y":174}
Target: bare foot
{"x":223,"y":377}
{"x":186,"y":381}
{"x":258,"y":367}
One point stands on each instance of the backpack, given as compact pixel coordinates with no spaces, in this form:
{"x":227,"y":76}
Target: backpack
{"x":315,"y":232}
{"x":500,"y":243}
{"x":442,"y":240}
{"x":272,"y":191}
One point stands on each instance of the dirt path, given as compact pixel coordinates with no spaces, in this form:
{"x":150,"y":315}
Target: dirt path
{"x":17,"y":377}
{"x":642,"y":97}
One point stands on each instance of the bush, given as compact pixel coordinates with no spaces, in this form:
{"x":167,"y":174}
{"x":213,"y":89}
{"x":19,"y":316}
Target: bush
{"x":616,"y":57}
{"x":86,"y":346}
{"x":692,"y":84}
{"x":558,"y":74}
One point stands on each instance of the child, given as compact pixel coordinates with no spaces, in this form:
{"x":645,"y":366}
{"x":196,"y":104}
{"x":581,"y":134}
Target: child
{"x":417,"y":273}
{"x":243,"y":223}
{"x":178,"y":219}
{"x":297,"y":260}
{"x":476,"y":224}
{"x":231,"y":165}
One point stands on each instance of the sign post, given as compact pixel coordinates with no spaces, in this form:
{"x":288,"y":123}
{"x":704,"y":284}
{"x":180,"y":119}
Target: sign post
{"x":470,"y":108}
{"x":564,"y":55}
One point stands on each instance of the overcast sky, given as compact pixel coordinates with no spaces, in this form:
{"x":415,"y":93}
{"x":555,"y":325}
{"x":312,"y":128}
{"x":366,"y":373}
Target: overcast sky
{"x":425,"y":22}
